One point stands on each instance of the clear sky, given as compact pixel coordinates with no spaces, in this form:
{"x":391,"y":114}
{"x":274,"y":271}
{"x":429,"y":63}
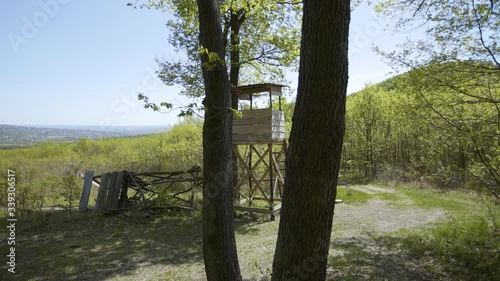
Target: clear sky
{"x":74,"y":62}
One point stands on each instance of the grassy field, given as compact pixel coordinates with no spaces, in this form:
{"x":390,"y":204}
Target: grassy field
{"x":380,"y":233}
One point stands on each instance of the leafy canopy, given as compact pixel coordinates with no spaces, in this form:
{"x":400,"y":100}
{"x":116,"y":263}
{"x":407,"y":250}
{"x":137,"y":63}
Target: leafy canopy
{"x":454,"y":31}
{"x":261,"y":39}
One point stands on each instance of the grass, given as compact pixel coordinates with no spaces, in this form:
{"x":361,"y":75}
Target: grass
{"x":460,"y":203}
{"x":155,"y":246}
{"x":395,"y":199}
{"x":93,"y":247}
{"x":467,"y":245}
{"x":167,"y":245}
{"x":351,"y":196}
{"x":465,"y":248}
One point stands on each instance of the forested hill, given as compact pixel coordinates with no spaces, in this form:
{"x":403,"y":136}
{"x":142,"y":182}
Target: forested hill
{"x":24,"y":135}
{"x":438,"y":124}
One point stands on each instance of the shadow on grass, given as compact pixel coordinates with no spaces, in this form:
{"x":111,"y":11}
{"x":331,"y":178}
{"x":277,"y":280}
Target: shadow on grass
{"x":93,"y":247}
{"x":96,"y":247}
{"x":414,"y":257}
{"x":371,"y":258}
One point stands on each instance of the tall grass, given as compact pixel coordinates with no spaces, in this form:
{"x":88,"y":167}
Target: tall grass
{"x":467,"y":248}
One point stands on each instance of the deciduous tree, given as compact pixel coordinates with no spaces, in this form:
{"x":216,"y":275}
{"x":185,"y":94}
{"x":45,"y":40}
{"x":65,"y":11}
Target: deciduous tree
{"x":261,"y":42}
{"x":313,"y":158}
{"x":219,"y":245}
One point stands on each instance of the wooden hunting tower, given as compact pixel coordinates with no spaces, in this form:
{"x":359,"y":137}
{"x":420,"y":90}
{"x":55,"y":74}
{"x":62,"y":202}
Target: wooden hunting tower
{"x":259,"y":142}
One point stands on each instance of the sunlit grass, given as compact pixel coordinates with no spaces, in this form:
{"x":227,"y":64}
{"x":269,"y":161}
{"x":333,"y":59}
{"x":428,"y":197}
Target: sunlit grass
{"x":466,"y":247}
{"x":395,"y":199}
{"x":352,"y":196}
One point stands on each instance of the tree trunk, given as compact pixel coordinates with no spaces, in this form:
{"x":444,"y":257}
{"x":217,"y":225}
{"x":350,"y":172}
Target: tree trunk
{"x":219,"y":245}
{"x":313,"y":158}
{"x":237,"y":19}
{"x":369,"y":164}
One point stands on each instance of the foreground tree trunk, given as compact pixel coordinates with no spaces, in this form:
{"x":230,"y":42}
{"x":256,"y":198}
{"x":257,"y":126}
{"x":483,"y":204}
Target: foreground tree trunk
{"x":313,"y":158}
{"x":219,"y":245}
{"x":237,"y":19}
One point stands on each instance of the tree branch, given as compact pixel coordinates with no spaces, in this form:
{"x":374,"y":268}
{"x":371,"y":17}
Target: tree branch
{"x":478,"y":21}
{"x":419,"y":7}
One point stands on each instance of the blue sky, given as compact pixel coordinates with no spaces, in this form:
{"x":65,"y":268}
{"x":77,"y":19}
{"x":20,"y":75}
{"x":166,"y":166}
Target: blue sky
{"x":73,"y":62}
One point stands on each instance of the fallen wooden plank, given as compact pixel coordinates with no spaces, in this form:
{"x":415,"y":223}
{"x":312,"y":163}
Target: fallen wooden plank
{"x":103,"y":193}
{"x":277,"y":208}
{"x":177,"y":208}
{"x":243,"y":201}
{"x":109,"y":201}
{"x":111,"y":189}
{"x":116,"y":191}
{"x":263,"y":198}
{"x":94,"y":183}
{"x":253,"y":210}
{"x":87,"y":185}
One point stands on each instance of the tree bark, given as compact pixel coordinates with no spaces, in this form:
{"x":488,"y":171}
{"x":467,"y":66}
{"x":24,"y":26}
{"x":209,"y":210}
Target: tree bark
{"x":236,"y":20}
{"x":219,"y":244}
{"x":316,"y":138}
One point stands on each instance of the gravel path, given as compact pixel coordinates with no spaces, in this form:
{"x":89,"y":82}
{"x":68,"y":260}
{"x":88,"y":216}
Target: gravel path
{"x":357,"y":237}
{"x":378,"y":217}
{"x":371,"y":189}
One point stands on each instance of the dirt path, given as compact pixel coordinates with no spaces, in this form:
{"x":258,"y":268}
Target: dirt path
{"x":371,"y":189}
{"x":358,"y":238}
{"x":378,"y":217}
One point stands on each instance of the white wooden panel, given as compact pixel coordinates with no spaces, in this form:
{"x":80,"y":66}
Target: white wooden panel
{"x":256,"y":121}
{"x":260,"y":137}
{"x":257,"y":129}
{"x":259,"y":125}
{"x":261,"y":113}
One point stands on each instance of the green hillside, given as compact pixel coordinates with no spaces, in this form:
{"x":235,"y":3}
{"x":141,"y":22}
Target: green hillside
{"x":437,"y":125}
{"x":47,"y":173}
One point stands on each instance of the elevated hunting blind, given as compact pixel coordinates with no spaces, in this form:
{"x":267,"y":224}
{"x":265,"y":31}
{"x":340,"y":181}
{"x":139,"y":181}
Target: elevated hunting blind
{"x":259,"y":143}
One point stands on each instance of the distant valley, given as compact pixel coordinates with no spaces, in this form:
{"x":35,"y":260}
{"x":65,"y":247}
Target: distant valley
{"x":12,"y":136}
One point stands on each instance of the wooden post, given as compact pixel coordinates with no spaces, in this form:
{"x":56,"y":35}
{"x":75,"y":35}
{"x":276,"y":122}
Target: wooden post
{"x":87,"y":185}
{"x":193,"y":190}
{"x":250,"y":187}
{"x":271,"y":185}
{"x":270,"y":100}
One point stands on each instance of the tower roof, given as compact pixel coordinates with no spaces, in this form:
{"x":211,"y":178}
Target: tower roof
{"x":245,"y":92}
